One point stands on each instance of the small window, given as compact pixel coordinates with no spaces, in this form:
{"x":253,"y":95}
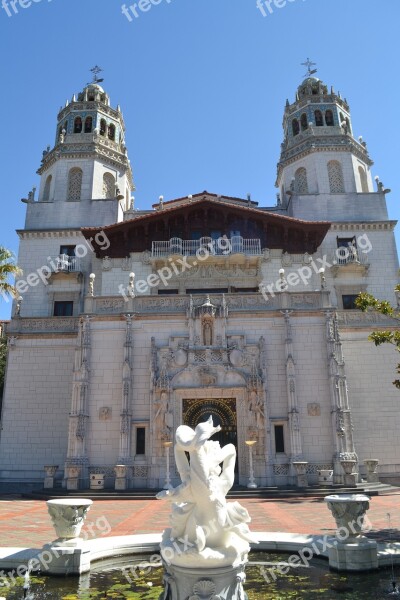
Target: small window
{"x":304,"y":122}
{"x":103,"y":127}
{"x":109,"y":191}
{"x":207,"y":291}
{"x":75,"y":184}
{"x":349,"y":301}
{"x":168,"y":292}
{"x":67,"y":250}
{"x":47,"y":188}
{"x":301,"y":181}
{"x":111,"y":132}
{"x":346,"y":242}
{"x":279,"y":439}
{"x":335,"y":175}
{"x":363,"y":180}
{"x":295,"y":127}
{"x":249,"y":290}
{"x":141,"y":440}
{"x":329,"y":118}
{"x":319,"y":119}
{"x":78,"y":125}
{"x":63,"y":309}
{"x":88,"y":125}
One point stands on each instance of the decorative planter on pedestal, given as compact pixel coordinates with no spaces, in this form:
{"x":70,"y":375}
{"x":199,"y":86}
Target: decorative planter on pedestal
{"x":68,"y":553}
{"x":352,"y":550}
{"x":50,"y":471}
{"x":72,"y":476}
{"x":301,"y":471}
{"x":121,"y":477}
{"x":325,"y":477}
{"x":68,"y":516}
{"x":372,"y":473}
{"x":350,"y":478}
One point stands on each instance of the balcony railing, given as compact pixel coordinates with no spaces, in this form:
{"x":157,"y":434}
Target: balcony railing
{"x":349,"y":256}
{"x":223,"y":246}
{"x":66,"y":264}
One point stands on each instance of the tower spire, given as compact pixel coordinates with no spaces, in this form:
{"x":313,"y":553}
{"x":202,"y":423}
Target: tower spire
{"x":309,"y":64}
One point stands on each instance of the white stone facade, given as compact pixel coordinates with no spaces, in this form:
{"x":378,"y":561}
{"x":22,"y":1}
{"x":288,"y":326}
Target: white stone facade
{"x":99,"y":376}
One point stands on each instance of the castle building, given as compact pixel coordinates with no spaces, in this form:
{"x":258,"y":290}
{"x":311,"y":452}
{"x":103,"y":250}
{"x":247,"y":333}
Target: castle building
{"x":134,"y":322}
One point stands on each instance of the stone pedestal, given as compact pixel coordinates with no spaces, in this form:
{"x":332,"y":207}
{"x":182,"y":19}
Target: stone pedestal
{"x":68,"y":516}
{"x":224,"y":583}
{"x":301,"y":472}
{"x":372,"y":473}
{"x":121,"y":482}
{"x":350,"y":478}
{"x":359,"y":555}
{"x":352,"y":551}
{"x":72,"y":476}
{"x":50,"y":471}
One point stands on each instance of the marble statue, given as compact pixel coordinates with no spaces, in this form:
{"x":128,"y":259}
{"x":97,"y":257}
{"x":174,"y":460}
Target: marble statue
{"x":207,"y":531}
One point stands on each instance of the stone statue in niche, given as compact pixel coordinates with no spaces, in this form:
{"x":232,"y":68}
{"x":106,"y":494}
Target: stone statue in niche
{"x":207,"y":333}
{"x":256,"y":408}
{"x":209,"y":531}
{"x":165,"y":412}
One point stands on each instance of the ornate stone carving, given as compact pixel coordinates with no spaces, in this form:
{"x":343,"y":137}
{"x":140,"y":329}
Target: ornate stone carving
{"x":348,"y":511}
{"x":106,"y":263}
{"x":105,"y":413}
{"x":207,"y":377}
{"x":68,"y":516}
{"x":314,"y":409}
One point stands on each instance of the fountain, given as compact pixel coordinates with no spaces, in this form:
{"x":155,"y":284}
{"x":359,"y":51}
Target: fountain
{"x":206,"y":549}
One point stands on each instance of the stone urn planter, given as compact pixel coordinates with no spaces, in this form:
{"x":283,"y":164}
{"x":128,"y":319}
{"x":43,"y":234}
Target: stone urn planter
{"x":121,"y":472}
{"x":349,"y":512}
{"x":352,"y":551}
{"x":348,"y":467}
{"x":50,"y":471}
{"x":325,"y":477}
{"x":301,"y":472}
{"x":68,"y":516}
{"x":372,"y":473}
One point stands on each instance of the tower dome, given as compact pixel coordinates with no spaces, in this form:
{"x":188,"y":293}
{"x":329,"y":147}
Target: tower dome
{"x":312,"y":86}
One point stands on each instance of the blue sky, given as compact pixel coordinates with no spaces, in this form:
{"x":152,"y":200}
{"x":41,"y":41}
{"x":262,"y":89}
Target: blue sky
{"x":202,"y":84}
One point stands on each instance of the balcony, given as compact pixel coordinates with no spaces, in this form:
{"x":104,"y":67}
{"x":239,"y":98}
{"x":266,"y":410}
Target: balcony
{"x":349,"y":259}
{"x":223,"y":246}
{"x":66,"y":264}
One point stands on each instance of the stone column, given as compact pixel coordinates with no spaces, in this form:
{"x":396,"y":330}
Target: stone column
{"x":125,"y":457}
{"x":296,"y":449}
{"x":268,"y":451}
{"x":68,"y":516}
{"x":50,"y":471}
{"x":301,"y":470}
{"x":342,"y":426}
{"x":77,"y":455}
{"x":372,"y":473}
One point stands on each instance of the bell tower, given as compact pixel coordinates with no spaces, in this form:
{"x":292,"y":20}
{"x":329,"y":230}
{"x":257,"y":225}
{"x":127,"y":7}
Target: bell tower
{"x":320,"y":155}
{"x":87,"y":172}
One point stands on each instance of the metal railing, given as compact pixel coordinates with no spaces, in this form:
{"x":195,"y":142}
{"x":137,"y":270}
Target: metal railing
{"x":223,"y":246}
{"x":66,"y":264}
{"x":349,"y":255}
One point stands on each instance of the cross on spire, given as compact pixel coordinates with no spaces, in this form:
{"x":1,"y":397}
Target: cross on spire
{"x":309,"y":64}
{"x":96,"y":70}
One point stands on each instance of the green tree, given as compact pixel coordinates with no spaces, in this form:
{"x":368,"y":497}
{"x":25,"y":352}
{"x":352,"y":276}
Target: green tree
{"x":8,"y":269}
{"x":366,"y":302}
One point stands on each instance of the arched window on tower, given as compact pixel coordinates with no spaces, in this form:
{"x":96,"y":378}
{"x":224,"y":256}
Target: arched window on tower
{"x":75,"y":184}
{"x":319,"y":119}
{"x":300,"y":181}
{"x":111,"y":132}
{"x":78,"y":125}
{"x":88,"y":125}
{"x":348,"y":125}
{"x":363,"y":180}
{"x":47,"y":189}
{"x":329,"y":118}
{"x":295,"y":127}
{"x":103,"y":127}
{"x":335,"y":174}
{"x":108,"y":186}
{"x":304,"y":122}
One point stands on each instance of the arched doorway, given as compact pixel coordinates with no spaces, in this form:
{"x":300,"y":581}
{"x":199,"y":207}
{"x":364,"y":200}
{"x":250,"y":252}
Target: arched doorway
{"x":223,"y":412}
